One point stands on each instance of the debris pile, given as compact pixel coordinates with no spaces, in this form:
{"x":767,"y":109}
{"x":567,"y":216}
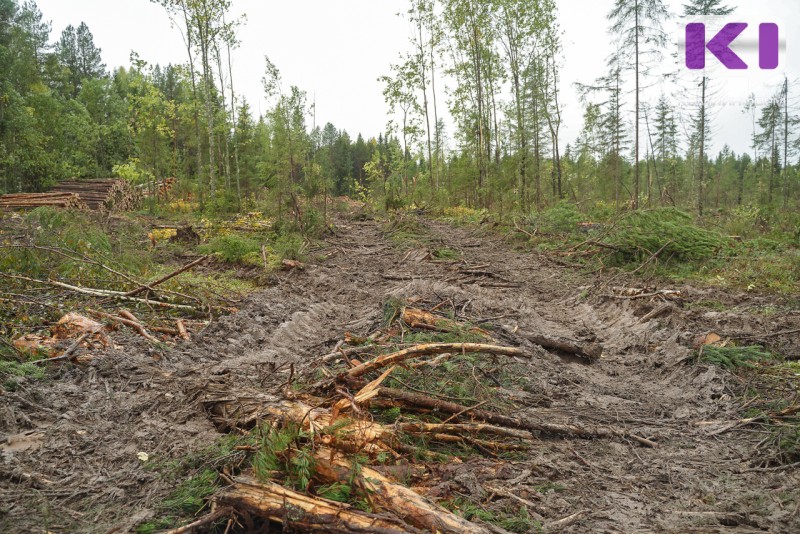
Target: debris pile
{"x":425,"y":389}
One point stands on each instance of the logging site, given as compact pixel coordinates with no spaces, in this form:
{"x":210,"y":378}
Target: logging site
{"x":553,"y":286}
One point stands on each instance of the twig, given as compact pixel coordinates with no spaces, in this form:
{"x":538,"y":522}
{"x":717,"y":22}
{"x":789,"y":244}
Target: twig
{"x":206,"y":519}
{"x":764,"y":336}
{"x":561,"y":524}
{"x":68,"y":353}
{"x":462,"y":412}
{"x":182,"y":331}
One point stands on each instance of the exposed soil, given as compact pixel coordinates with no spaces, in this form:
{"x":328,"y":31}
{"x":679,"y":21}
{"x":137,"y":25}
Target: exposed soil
{"x":69,"y":445}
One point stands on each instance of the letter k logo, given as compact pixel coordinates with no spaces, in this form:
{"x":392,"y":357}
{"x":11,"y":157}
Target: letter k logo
{"x":719,"y":46}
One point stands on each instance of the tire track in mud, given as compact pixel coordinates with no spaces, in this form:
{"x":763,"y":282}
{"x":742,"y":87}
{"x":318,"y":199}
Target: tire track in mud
{"x":640,"y":384}
{"x":693,"y":481}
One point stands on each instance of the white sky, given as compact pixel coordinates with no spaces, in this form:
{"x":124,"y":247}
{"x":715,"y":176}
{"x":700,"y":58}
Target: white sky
{"x":336,"y":49}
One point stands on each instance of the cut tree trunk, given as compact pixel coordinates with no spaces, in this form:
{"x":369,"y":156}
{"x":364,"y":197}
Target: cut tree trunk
{"x":299,"y":512}
{"x":399,"y":500}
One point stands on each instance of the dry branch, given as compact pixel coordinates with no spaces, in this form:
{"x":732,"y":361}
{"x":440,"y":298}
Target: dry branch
{"x":113,"y":295}
{"x":170,"y":276}
{"x":566,"y":430}
{"x":140,"y":329}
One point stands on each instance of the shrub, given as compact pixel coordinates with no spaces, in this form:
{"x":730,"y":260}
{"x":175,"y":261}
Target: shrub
{"x":563,"y":218}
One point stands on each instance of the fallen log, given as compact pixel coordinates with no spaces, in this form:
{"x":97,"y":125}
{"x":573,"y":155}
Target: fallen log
{"x":590,"y":351}
{"x":430,"y":349}
{"x":399,"y":500}
{"x":569,"y":430}
{"x":299,"y":512}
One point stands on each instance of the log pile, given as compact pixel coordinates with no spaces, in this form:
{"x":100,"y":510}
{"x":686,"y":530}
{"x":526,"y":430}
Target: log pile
{"x":20,"y":201}
{"x":103,"y":195}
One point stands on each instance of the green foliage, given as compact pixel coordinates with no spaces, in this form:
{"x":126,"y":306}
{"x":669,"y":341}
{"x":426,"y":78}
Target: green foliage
{"x":234,"y":249}
{"x":190,"y":496}
{"x":735,"y":357}
{"x":289,"y":247}
{"x":156,"y":525}
{"x":561,"y":218}
{"x":285,"y":452}
{"x":11,"y":371}
{"x":446,"y":254}
{"x":512,"y":520}
{"x":640,"y":234}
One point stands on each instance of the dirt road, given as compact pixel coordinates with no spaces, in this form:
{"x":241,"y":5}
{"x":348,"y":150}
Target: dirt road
{"x":77,"y":465}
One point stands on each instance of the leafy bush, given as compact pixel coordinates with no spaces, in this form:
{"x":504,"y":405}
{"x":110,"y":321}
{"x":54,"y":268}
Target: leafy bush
{"x":643,"y":233}
{"x":233,"y":249}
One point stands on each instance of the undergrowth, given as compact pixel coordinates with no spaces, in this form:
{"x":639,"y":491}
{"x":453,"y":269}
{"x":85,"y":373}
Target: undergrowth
{"x":512,"y":519}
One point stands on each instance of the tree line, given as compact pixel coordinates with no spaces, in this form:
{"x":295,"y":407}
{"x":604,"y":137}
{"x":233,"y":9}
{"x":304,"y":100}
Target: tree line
{"x":498,"y":65}
{"x":475,"y":101}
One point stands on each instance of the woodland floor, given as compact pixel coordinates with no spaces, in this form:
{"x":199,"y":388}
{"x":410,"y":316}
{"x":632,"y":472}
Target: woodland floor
{"x":77,"y":470}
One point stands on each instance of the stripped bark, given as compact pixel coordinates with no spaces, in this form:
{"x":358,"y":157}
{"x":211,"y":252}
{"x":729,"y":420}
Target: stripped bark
{"x":300,"y":512}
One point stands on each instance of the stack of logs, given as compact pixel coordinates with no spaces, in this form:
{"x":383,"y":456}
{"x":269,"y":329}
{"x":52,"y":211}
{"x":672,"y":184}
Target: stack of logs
{"x":103,"y":195}
{"x":65,"y":200}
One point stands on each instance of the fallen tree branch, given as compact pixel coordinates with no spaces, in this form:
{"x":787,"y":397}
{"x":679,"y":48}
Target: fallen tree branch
{"x":590,"y":351}
{"x":569,"y":430}
{"x":429,"y":349}
{"x":113,"y":295}
{"x":170,"y":276}
{"x":203,"y":521}
{"x":140,"y":329}
{"x":401,"y":501}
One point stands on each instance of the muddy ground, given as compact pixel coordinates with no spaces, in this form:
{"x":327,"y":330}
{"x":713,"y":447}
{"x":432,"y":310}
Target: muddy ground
{"x":73,"y":465}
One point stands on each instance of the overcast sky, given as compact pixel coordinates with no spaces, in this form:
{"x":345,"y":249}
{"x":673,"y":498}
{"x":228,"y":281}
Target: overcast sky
{"x":336,"y":49}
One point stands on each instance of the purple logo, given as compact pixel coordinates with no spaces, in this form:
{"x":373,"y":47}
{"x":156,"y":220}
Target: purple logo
{"x":719,"y":45}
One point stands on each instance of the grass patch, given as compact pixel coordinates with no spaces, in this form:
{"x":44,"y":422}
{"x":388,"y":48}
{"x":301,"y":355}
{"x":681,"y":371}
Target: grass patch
{"x":406,"y":232}
{"x":190,"y":496}
{"x":11,"y":372}
{"x":446,"y":254}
